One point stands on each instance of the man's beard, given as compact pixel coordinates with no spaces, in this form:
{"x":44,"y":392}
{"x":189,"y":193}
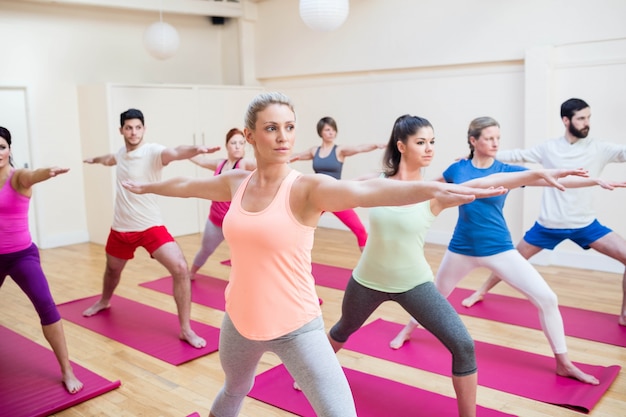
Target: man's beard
{"x":580,"y":134}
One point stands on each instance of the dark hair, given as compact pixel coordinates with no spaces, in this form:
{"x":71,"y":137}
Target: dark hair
{"x":571,"y":106}
{"x":131,"y":114}
{"x":4,"y":132}
{"x":403,"y":127}
{"x":232,"y":132}
{"x":476,"y":127}
{"x":325,"y":121}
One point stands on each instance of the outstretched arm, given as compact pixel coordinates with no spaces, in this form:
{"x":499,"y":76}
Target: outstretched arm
{"x":579,"y":182}
{"x":531,"y":177}
{"x":185,"y":152}
{"x":532,"y":155}
{"x":107,"y":160}
{"x":205,"y":162}
{"x":247,"y":164}
{"x":216,"y":188}
{"x":304,"y":156}
{"x":26,"y":178}
{"x":347,"y":150}
{"x":335,"y":195}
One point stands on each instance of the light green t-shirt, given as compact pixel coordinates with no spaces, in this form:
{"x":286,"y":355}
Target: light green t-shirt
{"x":393,"y":259}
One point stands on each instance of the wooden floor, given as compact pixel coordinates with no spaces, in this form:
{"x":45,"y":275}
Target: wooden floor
{"x":152,"y":388}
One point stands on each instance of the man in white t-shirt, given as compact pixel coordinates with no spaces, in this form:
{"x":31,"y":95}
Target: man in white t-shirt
{"x":137,"y":219}
{"x":569,"y":214}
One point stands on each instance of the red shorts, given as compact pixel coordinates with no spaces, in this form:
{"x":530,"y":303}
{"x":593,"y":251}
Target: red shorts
{"x":123,"y":244}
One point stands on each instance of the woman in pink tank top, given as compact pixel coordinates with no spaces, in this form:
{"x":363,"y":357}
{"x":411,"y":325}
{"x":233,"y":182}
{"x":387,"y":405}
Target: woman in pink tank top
{"x":19,"y":257}
{"x":271,"y":303}
{"x":213,"y":235}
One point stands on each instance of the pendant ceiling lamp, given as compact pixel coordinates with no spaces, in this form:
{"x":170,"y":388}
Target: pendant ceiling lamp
{"x":161,"y":39}
{"x":324,"y":15}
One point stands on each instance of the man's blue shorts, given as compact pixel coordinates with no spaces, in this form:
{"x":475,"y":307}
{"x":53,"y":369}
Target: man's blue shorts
{"x":548,"y":238}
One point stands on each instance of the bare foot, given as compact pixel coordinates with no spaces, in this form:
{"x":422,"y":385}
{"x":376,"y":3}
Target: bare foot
{"x":72,"y":384}
{"x":96,"y":308}
{"x":472,"y":299}
{"x":192,"y":338}
{"x":573,"y":372}
{"x":622,"y":320}
{"x":400,"y":338}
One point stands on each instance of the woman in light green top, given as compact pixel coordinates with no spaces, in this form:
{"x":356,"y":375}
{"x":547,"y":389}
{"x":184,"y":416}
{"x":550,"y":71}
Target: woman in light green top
{"x":393,"y":266}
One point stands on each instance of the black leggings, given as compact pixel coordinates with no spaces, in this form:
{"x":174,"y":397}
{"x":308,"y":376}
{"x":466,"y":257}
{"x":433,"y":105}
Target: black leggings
{"x":425,"y":304}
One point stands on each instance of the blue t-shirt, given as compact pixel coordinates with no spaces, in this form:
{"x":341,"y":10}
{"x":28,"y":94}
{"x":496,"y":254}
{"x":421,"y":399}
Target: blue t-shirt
{"x":481,"y":229}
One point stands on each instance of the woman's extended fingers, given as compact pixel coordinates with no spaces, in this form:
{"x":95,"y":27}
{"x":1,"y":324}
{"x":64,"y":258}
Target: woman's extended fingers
{"x":489,"y":192}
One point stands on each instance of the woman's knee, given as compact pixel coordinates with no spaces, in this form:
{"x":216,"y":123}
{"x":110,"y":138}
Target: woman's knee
{"x":48,"y":314}
{"x":464,"y":353}
{"x":547,"y":300}
{"x":238,"y":388}
{"x":339,"y":333}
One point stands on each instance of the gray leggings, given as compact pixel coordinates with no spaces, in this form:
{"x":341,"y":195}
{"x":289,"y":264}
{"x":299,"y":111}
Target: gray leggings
{"x":211,"y":238}
{"x":425,"y":304}
{"x":308,"y":357}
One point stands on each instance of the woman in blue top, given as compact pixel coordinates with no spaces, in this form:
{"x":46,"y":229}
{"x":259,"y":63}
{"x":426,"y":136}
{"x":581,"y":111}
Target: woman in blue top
{"x":482,"y":239}
{"x":393,"y":266}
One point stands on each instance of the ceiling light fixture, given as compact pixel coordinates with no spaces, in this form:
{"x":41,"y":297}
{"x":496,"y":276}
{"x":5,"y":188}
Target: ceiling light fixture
{"x":161,"y":39}
{"x":324,"y":15}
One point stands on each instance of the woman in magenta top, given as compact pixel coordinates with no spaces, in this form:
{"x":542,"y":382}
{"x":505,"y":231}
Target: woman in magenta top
{"x":19,"y":256}
{"x":213,"y":235}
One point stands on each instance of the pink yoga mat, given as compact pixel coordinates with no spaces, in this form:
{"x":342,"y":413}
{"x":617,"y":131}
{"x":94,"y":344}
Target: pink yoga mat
{"x":373,"y":396}
{"x":514,"y":371}
{"x":584,"y":324}
{"x":144,"y":328}
{"x":30,"y":382}
{"x":325,"y":275}
{"x":205,"y":290}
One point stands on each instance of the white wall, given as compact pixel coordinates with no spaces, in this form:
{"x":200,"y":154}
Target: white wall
{"x":451,"y":61}
{"x":365,"y":107}
{"x":447,"y":60}
{"x":395,"y":34}
{"x":51,"y":49}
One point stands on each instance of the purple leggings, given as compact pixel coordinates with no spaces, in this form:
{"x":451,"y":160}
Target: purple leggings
{"x":351,"y":219}
{"x":25,"y":268}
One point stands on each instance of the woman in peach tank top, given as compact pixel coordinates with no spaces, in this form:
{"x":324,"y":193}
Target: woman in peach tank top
{"x":269,"y":229}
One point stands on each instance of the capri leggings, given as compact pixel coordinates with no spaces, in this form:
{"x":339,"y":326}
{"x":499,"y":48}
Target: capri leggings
{"x":308,"y":357}
{"x":25,"y":268}
{"x":515,"y":270}
{"x":211,"y":238}
{"x":425,"y":304}
{"x":351,"y":219}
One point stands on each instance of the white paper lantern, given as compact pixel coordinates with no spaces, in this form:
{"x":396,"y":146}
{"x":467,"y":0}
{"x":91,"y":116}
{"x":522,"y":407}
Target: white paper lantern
{"x":161,"y":40}
{"x":324,"y":15}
